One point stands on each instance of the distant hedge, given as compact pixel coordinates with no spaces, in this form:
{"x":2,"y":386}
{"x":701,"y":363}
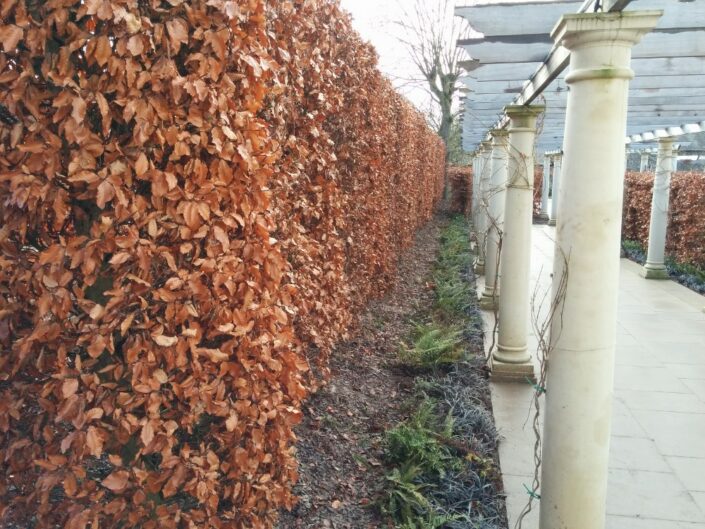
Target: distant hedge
{"x":686,"y":224}
{"x":192,"y":194}
{"x":460,"y":178}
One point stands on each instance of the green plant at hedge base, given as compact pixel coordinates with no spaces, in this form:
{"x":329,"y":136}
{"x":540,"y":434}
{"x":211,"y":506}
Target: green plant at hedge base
{"x":440,"y":466}
{"x":418,"y":458}
{"x":434,"y":345}
{"x":453,"y":291}
{"x":696,"y":272}
{"x":404,"y":499}
{"x":632,"y":246}
{"x":416,"y":442}
{"x":432,"y":521}
{"x":453,"y":297}
{"x":406,"y":503}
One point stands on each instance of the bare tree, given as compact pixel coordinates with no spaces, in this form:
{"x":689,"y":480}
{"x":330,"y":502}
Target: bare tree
{"x":431,"y":33}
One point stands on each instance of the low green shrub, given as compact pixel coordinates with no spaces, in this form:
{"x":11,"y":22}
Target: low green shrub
{"x":416,"y":441}
{"x":453,"y":290}
{"x":453,"y":297}
{"x":433,"y":345}
{"x":632,"y":245}
{"x":697,"y":273}
{"x":442,"y":472}
{"x":404,"y":498}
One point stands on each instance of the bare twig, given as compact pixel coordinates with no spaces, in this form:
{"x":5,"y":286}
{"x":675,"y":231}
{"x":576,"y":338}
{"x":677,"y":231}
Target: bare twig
{"x":430,"y":35}
{"x":542,"y":329}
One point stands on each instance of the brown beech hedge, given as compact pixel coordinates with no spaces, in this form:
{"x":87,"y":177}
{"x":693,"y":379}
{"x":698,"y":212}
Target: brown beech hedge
{"x":194,"y":197}
{"x":686,"y":223}
{"x":460,"y":178}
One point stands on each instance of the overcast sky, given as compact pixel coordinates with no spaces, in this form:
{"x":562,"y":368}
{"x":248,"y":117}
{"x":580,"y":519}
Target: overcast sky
{"x":374,"y":20}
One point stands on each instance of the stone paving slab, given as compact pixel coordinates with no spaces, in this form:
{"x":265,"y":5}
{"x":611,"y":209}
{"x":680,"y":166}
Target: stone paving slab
{"x":657,"y":453}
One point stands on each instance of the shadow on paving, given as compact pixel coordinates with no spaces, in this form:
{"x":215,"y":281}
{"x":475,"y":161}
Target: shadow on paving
{"x":344,"y":442}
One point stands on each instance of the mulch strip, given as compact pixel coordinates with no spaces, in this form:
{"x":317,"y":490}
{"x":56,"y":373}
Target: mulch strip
{"x":340,"y":439}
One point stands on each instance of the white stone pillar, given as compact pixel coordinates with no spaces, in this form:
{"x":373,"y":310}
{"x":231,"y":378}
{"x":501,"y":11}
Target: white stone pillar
{"x":477,"y":174}
{"x":495,"y":227}
{"x":644,"y":162}
{"x":557,"y":168}
{"x":511,"y":360}
{"x":655,"y":267}
{"x":475,"y":181}
{"x":545,"y":186}
{"x":475,"y":184}
{"x":473,"y":198}
{"x":483,"y":208}
{"x":581,"y":368}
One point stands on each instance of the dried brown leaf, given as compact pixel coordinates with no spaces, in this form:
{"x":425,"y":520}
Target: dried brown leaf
{"x":117,"y":481}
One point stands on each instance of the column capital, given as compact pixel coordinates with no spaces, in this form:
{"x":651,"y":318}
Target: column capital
{"x":517,"y":111}
{"x":605,"y":39}
{"x":499,"y":140}
{"x":576,"y":29}
{"x":665,"y":143}
{"x":523,"y":117}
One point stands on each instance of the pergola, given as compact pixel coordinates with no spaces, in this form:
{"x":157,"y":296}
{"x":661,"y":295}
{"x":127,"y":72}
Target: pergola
{"x":582,"y":83}
{"x":516,"y":61}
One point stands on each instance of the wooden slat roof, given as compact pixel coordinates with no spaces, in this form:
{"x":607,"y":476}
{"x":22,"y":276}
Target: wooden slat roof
{"x":512,"y":59}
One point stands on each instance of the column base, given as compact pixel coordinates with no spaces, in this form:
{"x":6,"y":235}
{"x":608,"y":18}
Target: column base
{"x":504,"y":372}
{"x":648,"y":272}
{"x":541,"y":218}
{"x":479,"y":268}
{"x":489,"y":301}
{"x":552,"y":222}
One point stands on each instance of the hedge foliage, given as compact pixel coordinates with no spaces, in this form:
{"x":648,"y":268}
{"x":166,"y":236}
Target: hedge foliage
{"x":685,"y":239}
{"x":460,"y":178}
{"x":192,"y":193}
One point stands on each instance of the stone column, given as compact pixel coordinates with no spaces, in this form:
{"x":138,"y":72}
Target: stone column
{"x":474,"y":186}
{"x":581,"y":369}
{"x":655,"y":267}
{"x":477,"y":175}
{"x":470,"y":189}
{"x":495,"y":227}
{"x":644,"y":162}
{"x":557,"y":168}
{"x":473,"y":198}
{"x":511,"y":360}
{"x":483,"y":208}
{"x":545,"y":186}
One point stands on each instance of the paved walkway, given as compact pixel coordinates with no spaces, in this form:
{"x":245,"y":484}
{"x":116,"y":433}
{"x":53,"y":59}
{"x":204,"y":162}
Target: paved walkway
{"x":657,"y":455}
